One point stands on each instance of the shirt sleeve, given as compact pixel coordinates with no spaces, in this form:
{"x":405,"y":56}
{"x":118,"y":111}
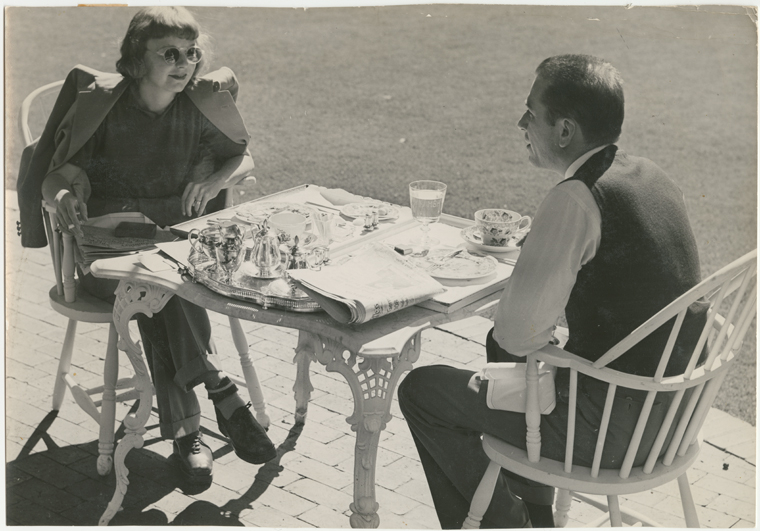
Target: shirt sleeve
{"x":565,"y":234}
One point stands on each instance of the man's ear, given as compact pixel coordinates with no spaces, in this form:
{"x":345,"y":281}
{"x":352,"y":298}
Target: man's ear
{"x":567,"y":129}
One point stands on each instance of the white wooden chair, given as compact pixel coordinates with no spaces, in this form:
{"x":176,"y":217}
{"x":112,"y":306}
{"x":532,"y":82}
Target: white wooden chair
{"x":78,"y":306}
{"x":732,"y":293}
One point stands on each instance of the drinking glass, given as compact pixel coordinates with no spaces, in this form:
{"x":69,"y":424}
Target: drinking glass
{"x":426,"y":199}
{"x":324,"y":222}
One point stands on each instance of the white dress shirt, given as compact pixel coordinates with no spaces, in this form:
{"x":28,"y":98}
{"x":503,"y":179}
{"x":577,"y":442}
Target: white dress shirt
{"x":565,"y":234}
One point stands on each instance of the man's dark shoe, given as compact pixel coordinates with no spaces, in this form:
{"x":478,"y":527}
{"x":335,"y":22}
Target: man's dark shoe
{"x":195,"y":459}
{"x":248,"y":438}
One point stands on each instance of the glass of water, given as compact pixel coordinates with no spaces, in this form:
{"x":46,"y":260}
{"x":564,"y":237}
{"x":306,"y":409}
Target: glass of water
{"x":426,"y":198}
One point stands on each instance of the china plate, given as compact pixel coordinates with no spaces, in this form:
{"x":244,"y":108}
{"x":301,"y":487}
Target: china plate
{"x":385,"y":211}
{"x":472,"y":236}
{"x":448,"y":264}
{"x":256,"y":212}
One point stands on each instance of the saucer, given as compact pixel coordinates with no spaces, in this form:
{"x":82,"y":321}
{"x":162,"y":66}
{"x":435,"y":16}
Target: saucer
{"x":472,"y":236}
{"x":385,"y":211}
{"x":257,"y":212}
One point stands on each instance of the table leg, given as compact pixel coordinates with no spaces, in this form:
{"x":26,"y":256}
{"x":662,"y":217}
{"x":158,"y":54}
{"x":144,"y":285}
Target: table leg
{"x":108,"y":403}
{"x":132,"y":298}
{"x":307,"y":345}
{"x":373,"y":382}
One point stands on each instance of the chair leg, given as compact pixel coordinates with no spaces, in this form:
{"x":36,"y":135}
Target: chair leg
{"x":564,"y":500}
{"x":482,"y":498}
{"x":687,"y":500}
{"x":249,"y":372}
{"x":108,"y":405}
{"x":616,"y":519}
{"x":59,"y":390}
{"x":67,"y":268}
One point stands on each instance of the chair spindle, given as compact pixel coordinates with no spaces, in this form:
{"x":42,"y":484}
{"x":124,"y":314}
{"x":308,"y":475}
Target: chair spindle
{"x":570,"y":442}
{"x":603,"y":430}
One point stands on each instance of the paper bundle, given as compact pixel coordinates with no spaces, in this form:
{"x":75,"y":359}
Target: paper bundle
{"x":371,"y":282}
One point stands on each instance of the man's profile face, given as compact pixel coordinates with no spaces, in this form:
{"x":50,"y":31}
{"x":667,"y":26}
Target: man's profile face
{"x":541,"y":137}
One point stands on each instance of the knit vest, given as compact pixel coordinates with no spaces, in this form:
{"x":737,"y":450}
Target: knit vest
{"x":646,"y":259}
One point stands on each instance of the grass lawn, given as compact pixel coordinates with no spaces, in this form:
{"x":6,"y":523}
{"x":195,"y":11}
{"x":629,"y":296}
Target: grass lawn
{"x":369,"y":99}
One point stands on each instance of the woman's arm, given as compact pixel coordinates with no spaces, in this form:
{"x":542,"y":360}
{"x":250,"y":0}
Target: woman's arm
{"x":198,"y":194}
{"x":68,"y":189}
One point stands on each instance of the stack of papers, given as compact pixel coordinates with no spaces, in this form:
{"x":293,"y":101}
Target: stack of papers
{"x":100,"y":242}
{"x":369,"y":283}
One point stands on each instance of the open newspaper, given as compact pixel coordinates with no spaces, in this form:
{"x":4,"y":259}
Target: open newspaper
{"x":373,"y":281}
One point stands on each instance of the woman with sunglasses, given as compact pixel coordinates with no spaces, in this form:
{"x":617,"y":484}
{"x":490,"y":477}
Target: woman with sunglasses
{"x":160,"y":140}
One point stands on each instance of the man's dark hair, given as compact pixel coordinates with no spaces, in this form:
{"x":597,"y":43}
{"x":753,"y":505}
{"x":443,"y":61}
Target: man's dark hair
{"x":587,"y":89}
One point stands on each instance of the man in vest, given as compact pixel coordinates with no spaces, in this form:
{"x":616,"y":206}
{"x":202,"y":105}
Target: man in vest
{"x":609,"y":247}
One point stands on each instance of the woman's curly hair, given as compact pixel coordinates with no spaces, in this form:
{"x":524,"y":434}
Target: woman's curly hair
{"x":156,"y":23}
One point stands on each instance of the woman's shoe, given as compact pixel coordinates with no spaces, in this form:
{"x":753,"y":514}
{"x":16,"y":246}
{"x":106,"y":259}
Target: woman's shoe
{"x":196,"y":462}
{"x":248,"y":438}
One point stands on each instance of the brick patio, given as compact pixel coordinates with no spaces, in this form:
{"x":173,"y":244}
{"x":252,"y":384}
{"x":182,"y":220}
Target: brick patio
{"x":51,"y":477}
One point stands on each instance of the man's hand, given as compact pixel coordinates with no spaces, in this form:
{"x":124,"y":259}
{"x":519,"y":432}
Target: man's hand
{"x":197,"y":195}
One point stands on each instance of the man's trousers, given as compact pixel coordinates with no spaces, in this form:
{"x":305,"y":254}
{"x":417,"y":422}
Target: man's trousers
{"x":446,"y":419}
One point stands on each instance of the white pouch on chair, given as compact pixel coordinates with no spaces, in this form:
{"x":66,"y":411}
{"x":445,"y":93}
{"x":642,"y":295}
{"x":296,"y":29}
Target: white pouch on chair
{"x":507,"y":387}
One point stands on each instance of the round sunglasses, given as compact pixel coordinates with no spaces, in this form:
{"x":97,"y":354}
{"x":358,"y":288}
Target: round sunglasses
{"x":171,"y":54}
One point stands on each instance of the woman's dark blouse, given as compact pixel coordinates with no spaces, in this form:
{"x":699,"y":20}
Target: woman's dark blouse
{"x":142,"y":161}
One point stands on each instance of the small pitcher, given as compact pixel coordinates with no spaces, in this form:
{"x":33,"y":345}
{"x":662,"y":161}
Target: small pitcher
{"x":203,"y":243}
{"x":265,"y":253}
{"x":230,"y":250}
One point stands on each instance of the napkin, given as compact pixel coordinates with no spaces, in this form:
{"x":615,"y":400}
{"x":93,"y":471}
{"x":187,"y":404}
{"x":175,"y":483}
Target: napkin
{"x":339,"y":197}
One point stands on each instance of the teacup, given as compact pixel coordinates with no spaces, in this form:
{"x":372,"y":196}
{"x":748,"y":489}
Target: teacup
{"x":498,"y":225}
{"x":288,"y":225}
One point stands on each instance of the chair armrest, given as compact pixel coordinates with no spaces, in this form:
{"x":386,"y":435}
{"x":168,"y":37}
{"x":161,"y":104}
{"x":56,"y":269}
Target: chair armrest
{"x":553,"y":355}
{"x":237,"y":189}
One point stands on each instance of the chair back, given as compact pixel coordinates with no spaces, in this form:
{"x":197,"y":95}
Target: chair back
{"x":31,"y":102}
{"x":61,"y":245}
{"x":732,"y":296}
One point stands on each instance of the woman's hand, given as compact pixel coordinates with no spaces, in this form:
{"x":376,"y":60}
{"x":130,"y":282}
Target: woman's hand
{"x":197,"y":195}
{"x":68,"y":188}
{"x":199,"y":192}
{"x":70,"y":212}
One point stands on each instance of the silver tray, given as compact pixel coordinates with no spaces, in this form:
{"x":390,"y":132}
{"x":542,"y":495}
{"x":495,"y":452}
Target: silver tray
{"x":278,"y":293}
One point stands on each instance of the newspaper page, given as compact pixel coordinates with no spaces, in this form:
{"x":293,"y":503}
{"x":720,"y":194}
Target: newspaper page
{"x":372,"y":282}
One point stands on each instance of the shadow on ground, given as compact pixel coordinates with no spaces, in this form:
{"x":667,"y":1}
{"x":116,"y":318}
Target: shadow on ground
{"x":207,"y":513}
{"x":60,"y":485}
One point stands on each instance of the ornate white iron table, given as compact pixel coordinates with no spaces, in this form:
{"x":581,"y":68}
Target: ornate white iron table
{"x":371,"y":357}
